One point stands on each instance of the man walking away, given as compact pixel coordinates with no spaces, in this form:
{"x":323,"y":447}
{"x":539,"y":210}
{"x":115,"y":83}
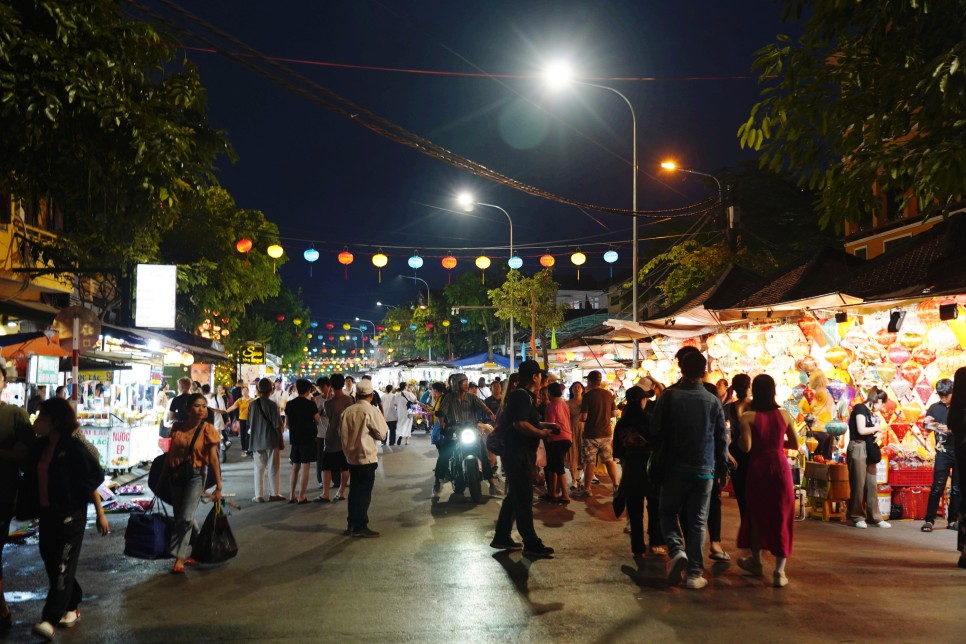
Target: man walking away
{"x":692,"y":421}
{"x":596,"y":411}
{"x":361,"y":426}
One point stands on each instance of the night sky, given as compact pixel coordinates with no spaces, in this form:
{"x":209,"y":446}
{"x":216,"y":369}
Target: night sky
{"x":323,"y":178}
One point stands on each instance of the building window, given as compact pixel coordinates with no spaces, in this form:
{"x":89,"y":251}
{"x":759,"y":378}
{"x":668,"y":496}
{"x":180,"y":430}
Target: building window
{"x":862,"y":252}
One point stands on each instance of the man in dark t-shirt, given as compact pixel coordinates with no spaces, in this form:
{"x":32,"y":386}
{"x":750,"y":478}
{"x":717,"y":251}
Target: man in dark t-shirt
{"x":945,"y":464}
{"x":302,"y":418}
{"x":522,"y":436}
{"x":178,"y":409}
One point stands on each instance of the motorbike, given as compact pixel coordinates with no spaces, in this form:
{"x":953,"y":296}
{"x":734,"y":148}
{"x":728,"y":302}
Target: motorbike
{"x":465,"y":465}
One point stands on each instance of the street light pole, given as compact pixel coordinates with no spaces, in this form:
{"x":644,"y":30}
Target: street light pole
{"x":634,"y":257}
{"x":372,"y":334}
{"x":429,"y":305}
{"x":467,"y":201}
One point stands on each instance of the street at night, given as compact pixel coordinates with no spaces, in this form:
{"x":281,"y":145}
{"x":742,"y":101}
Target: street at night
{"x":431,"y":577}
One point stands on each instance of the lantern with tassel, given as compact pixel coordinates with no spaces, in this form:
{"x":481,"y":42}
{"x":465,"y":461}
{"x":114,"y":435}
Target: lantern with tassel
{"x":483,"y":263}
{"x":379,"y":260}
{"x":578,"y":260}
{"x":345,"y":258}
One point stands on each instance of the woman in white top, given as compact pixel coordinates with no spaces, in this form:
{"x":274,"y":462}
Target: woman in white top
{"x":389,"y":411}
{"x":404,"y":422}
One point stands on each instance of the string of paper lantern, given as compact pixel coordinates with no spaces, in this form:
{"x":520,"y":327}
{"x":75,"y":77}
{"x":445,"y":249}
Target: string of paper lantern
{"x":345,"y":258}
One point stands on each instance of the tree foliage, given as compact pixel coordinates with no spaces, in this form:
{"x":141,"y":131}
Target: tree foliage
{"x":482,"y":324}
{"x":99,"y":116}
{"x":687,"y":265}
{"x":260,"y":324}
{"x":870,"y":94}
{"x":532,"y":302}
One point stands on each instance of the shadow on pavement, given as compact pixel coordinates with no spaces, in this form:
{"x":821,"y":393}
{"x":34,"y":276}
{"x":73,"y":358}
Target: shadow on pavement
{"x":519,"y":574}
{"x":649,"y":573}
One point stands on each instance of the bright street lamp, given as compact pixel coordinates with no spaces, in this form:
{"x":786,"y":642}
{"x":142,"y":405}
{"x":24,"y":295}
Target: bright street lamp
{"x":388,"y":306}
{"x":429,"y":304}
{"x":558,"y":76}
{"x":467,"y":201}
{"x":673,"y":167}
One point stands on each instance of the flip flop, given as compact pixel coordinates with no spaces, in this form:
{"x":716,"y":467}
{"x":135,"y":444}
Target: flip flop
{"x":302,"y":502}
{"x":322,"y":499}
{"x":177,"y":570}
{"x":926,"y":527}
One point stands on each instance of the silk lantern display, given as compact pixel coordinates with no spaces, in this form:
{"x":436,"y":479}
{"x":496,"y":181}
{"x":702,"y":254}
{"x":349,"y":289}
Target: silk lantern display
{"x":483,"y":263}
{"x":547,"y":260}
{"x":311,"y":256}
{"x":243,"y":246}
{"x":345,"y":258}
{"x":610,"y":257}
{"x":275,"y":252}
{"x":885,"y":337}
{"x":898,"y":354}
{"x":578,"y":259}
{"x":910,"y":340}
{"x":415,"y":262}
{"x":449,"y":263}
{"x":379,"y":260}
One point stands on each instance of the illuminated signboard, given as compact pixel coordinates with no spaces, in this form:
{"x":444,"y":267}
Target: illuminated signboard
{"x":251,"y":354}
{"x":156,"y":296}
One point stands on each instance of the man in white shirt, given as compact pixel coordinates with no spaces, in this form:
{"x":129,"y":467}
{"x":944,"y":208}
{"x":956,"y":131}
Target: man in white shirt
{"x":361,"y":426}
{"x":390,"y":412}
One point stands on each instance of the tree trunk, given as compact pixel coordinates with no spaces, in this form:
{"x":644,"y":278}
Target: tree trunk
{"x":543,"y":347}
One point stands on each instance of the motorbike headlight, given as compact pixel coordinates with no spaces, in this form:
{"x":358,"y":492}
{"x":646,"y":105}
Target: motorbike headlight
{"x":467,"y":436}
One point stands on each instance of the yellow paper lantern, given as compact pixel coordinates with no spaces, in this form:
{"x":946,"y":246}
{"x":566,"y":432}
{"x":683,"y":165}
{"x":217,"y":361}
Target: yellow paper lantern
{"x":482,"y":262}
{"x":275,"y":251}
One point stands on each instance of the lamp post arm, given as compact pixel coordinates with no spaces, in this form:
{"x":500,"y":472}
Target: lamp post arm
{"x":705,"y":174}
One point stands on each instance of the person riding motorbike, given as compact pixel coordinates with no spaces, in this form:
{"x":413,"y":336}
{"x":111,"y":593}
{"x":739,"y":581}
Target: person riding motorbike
{"x":459,"y":409}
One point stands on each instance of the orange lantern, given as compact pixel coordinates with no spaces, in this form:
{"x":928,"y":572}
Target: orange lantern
{"x":449,"y":263}
{"x":243,"y":246}
{"x":547,"y":260}
{"x":345,"y":258}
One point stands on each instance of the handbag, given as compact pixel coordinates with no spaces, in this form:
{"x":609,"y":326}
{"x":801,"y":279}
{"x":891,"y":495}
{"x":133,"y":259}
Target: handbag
{"x":657,"y":463}
{"x":436,"y":434}
{"x":215,"y":542}
{"x":148,"y":533}
{"x":873,"y":453}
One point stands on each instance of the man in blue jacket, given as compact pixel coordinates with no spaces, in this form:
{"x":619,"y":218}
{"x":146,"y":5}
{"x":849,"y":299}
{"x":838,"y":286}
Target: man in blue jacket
{"x":691,"y":419}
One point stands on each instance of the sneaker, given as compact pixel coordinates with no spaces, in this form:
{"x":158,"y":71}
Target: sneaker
{"x":779,"y":580}
{"x":505,"y":544}
{"x":494,"y":490}
{"x":580,"y":493}
{"x":538,"y":550}
{"x":696,"y":583}
{"x":675,"y":568}
{"x":860,"y":524}
{"x":952,"y":525}
{"x":45,"y":630}
{"x":750,"y":565}
{"x":437,"y":487}
{"x":257,"y":499}
{"x":365,"y":533}
{"x":881,"y":524}
{"x":595,"y":480}
{"x":627,"y":528}
{"x":70,"y":619}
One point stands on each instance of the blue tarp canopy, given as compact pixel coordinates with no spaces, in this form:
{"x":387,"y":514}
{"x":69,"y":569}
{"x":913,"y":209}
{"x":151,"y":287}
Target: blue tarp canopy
{"x":480,"y":358}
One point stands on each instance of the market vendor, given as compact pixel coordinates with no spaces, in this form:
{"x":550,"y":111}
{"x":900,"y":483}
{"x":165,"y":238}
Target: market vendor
{"x":945,"y":465}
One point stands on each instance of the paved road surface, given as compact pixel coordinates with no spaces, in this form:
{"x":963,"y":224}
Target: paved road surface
{"x":431,"y":577}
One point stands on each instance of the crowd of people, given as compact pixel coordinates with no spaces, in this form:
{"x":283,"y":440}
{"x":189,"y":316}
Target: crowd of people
{"x":667,"y":452}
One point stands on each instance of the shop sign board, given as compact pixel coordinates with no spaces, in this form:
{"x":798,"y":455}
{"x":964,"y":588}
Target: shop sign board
{"x":120,"y":447}
{"x":157,"y":374}
{"x":48,"y":370}
{"x":156,"y":296}
{"x":100,"y":438}
{"x":251,"y":354}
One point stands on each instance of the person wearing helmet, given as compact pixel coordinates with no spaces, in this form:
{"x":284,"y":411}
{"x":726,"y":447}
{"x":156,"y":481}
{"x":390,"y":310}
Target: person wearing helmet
{"x":458,"y":408}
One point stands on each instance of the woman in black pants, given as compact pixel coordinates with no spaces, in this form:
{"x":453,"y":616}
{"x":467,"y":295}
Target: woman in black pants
{"x":740,"y":386}
{"x":68,"y":475}
{"x":956,"y":421}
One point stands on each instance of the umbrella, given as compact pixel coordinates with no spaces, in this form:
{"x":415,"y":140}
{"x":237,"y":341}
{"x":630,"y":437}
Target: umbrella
{"x":22,"y":345}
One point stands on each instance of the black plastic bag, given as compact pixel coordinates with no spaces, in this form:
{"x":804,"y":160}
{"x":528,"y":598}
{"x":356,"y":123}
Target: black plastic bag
{"x":215,"y":543}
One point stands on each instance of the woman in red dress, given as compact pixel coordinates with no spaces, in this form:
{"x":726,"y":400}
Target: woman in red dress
{"x":767,"y":431}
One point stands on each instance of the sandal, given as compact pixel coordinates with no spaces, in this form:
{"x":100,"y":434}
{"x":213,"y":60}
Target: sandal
{"x":926,"y":527}
{"x":177,"y":570}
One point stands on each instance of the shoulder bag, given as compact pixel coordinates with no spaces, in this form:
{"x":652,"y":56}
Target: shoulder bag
{"x":160,"y":483}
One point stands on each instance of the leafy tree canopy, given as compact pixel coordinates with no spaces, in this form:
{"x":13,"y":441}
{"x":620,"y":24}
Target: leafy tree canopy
{"x":871,"y":93}
{"x":532,"y":302}
{"x":261,"y":324}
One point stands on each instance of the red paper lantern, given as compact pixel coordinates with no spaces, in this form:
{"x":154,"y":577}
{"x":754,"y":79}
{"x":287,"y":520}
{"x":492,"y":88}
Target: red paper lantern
{"x":380,"y":328}
{"x":243,"y":245}
{"x":429,"y":325}
{"x":280,"y":318}
{"x":345,"y":258}
{"x":329,"y":326}
{"x":547,"y":260}
{"x":449,"y":262}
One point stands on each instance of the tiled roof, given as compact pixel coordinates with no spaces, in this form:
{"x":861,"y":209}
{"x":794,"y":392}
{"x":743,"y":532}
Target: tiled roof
{"x":810,"y":276}
{"x":718,"y":292}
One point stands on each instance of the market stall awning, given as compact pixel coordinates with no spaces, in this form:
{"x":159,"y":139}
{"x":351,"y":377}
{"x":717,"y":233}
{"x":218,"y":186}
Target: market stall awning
{"x":479,"y":359}
{"x":22,"y":345}
{"x":601,"y":363}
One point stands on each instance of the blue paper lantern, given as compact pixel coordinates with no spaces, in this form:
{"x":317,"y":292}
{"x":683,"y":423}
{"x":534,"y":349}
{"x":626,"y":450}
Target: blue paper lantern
{"x":363,"y":327}
{"x":313,"y":324}
{"x":610,"y":256}
{"x":311,"y":256}
{"x":415,"y":261}
{"x":463,"y":320}
{"x":515,"y":262}
{"x":412,"y":327}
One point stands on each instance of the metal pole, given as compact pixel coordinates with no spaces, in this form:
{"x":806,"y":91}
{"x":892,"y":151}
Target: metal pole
{"x":512,"y":351}
{"x":634,"y":240}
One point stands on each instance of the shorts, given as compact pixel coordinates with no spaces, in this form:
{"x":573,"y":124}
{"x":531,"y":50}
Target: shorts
{"x":302,"y":453}
{"x":556,"y":455}
{"x":334,"y":461}
{"x":594,"y":447}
